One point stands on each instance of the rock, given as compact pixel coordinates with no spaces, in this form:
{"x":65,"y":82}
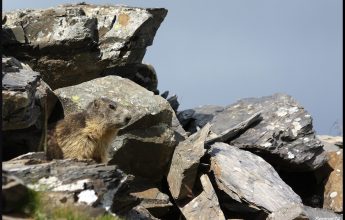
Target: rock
{"x":331,"y":143}
{"x":151,"y":196}
{"x":231,"y":133}
{"x":70,"y":44}
{"x":142,"y":74}
{"x":143,"y":148}
{"x":204,"y":206}
{"x":27,"y":104}
{"x":246,"y":177}
{"x":185,"y":162}
{"x":333,"y":194}
{"x":139,"y":213}
{"x":19,"y":85}
{"x":285,"y":136}
{"x":193,"y":119}
{"x":14,"y":193}
{"x":298,"y":211}
{"x":81,"y":182}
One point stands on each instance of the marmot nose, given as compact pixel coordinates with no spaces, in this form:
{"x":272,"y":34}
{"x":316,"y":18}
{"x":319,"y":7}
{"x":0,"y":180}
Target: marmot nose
{"x":127,"y":119}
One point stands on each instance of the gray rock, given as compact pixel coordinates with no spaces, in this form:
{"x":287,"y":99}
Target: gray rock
{"x":14,"y":193}
{"x":82,"y":182}
{"x":27,"y":104}
{"x":231,"y":133}
{"x":285,"y":137}
{"x":139,"y":213}
{"x":298,"y":211}
{"x":331,"y":143}
{"x":19,"y":85}
{"x":151,"y":196}
{"x":193,"y":119}
{"x":247,"y":178}
{"x":185,"y":162}
{"x":143,"y":148}
{"x":70,"y":44}
{"x":204,"y":206}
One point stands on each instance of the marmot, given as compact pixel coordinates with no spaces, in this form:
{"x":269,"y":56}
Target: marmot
{"x":87,"y":134}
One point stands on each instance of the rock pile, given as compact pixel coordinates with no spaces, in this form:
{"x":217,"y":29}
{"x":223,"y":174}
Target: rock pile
{"x":258,"y":158}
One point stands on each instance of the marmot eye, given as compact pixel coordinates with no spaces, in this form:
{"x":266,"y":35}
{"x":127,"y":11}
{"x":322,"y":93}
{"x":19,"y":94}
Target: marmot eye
{"x":111,"y":106}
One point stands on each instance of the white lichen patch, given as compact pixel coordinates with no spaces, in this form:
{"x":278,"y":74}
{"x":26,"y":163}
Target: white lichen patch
{"x":291,"y":155}
{"x":270,"y":127}
{"x":297,"y":119}
{"x":338,"y":152}
{"x":54,"y":184}
{"x":267,"y":144}
{"x":307,"y":116}
{"x":293,"y":110}
{"x":281,"y":112}
{"x":296,"y":128}
{"x":333,"y":194}
{"x":87,"y":196}
{"x":195,"y":205}
{"x":306,"y":139}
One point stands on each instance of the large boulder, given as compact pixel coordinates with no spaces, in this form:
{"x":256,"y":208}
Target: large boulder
{"x":70,"y":44}
{"x":27,"y":102}
{"x":284,"y":137}
{"x":143,"y":148}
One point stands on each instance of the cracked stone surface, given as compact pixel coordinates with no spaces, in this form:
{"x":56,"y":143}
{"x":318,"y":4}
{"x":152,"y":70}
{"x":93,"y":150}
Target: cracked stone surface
{"x":70,"y":44}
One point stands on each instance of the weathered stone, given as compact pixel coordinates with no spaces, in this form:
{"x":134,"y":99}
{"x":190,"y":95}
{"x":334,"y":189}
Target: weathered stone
{"x":139,"y":213}
{"x":82,"y":182}
{"x":193,"y":119}
{"x":19,"y":85}
{"x":333,"y":194}
{"x":27,"y":104}
{"x":185,"y":162}
{"x":14,"y":193}
{"x":204,"y":206}
{"x":58,"y":42}
{"x":285,"y":137}
{"x":246,"y":177}
{"x":151,"y":196}
{"x":231,"y":133}
{"x":300,"y":212}
{"x":143,"y":148}
{"x":331,"y":143}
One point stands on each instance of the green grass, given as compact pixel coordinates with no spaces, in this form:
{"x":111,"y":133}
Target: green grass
{"x":36,"y":207}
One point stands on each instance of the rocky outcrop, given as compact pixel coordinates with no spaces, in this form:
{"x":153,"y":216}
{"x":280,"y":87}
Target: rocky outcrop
{"x":284,"y":136}
{"x":58,"y":42}
{"x":143,"y":148}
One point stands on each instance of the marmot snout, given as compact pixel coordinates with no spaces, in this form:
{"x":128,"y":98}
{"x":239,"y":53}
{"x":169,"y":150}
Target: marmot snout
{"x":87,"y":134}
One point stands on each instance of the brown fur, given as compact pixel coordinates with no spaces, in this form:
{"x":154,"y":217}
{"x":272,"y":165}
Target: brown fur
{"x":87,"y":134}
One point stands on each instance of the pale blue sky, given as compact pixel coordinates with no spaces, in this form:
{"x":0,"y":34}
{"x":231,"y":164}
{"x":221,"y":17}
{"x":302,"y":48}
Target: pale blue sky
{"x":216,"y":52}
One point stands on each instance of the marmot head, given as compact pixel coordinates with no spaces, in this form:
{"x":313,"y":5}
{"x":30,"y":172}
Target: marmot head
{"x":112,"y":115}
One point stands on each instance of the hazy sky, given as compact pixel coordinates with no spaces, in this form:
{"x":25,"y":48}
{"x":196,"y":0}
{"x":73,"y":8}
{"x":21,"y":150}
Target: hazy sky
{"x":216,"y":52}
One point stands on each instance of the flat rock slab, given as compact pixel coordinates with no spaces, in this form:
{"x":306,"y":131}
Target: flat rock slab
{"x":248,"y":178}
{"x":298,"y":211}
{"x":331,"y":143}
{"x":70,"y":44}
{"x":143,"y":148}
{"x":80,"y":181}
{"x":185,"y":163}
{"x":333,"y":194}
{"x":205,"y":206}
